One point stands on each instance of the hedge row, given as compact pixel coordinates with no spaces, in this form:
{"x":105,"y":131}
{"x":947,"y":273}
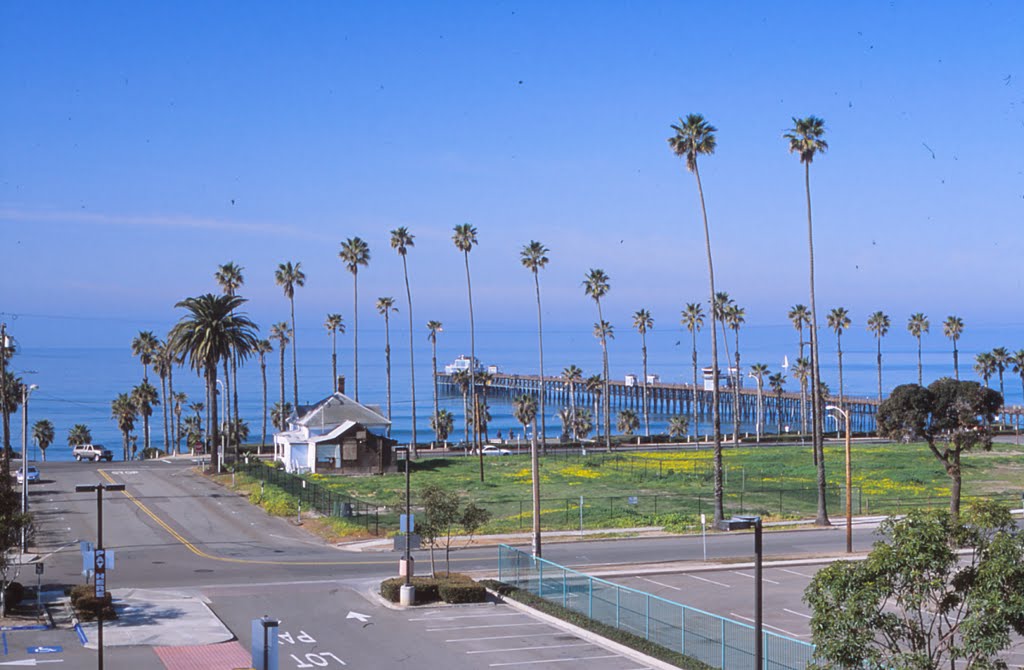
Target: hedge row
{"x":83,"y":599}
{"x":608,"y":632}
{"x":452,"y":587}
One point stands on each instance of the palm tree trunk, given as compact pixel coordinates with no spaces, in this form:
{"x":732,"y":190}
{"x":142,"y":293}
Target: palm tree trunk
{"x":283,"y":413}
{"x":535,"y":490}
{"x":696,"y":393}
{"x":412,"y":358}
{"x":334,"y":361}
{"x":919,"y":376}
{"x":817,"y":422}
{"x":878,"y":340}
{"x":716,"y":419}
{"x":433,"y":369}
{"x":174,"y":424}
{"x":163,"y":393}
{"x":465,"y":416}
{"x":760,"y":408}
{"x":778,"y":412}
{"x":572,"y":409}
{"x":229,"y":429}
{"x":387,"y":365}
{"x":211,"y":391}
{"x":606,"y":399}
{"x":543,"y":389}
{"x":839,"y":351}
{"x":736,"y":395}
{"x":263,"y":376}
{"x":472,"y":370}
{"x":647,"y":418}
{"x":234,"y":390}
{"x":295,"y":360}
{"x":956,"y":361}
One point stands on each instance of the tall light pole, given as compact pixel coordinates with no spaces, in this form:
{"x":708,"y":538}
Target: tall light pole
{"x":99,"y":580}
{"x":408,"y":591}
{"x":26,"y":389}
{"x":743,"y":523}
{"x":849,"y":478}
{"x":224,"y":433}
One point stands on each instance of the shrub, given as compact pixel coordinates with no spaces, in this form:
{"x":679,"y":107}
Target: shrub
{"x":459,"y":592}
{"x":426,"y":589}
{"x":14,"y":593}
{"x":83,"y":599}
{"x":451,"y":587}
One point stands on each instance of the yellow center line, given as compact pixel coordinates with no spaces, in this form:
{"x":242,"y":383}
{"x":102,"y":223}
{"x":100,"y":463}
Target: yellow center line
{"x":227,"y":559}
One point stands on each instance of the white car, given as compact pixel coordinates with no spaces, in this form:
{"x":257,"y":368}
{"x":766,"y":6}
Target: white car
{"x":496,"y":451}
{"x":33,"y":474}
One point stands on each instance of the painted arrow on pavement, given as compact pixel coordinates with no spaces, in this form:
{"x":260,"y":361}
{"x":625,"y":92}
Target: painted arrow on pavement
{"x":31,"y":661}
{"x":363,"y":618}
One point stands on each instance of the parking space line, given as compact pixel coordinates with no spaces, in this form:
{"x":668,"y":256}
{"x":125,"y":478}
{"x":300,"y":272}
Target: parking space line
{"x":763,"y":579}
{"x":543,"y":646}
{"x":496,"y":625}
{"x":555,"y":660}
{"x":465,"y":616}
{"x":799,"y":574}
{"x":667,"y":586}
{"x":710,"y":581}
{"x":806,"y":616}
{"x":767,"y":625}
{"x":505,"y":637}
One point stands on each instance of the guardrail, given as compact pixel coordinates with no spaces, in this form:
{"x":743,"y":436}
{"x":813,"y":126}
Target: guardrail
{"x":709,"y":638}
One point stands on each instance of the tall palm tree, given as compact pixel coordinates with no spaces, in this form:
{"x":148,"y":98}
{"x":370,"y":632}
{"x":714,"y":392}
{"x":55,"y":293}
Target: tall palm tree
{"x":355,"y":252}
{"x":734,"y":317}
{"x":985,"y":366}
{"x":534,"y":258}
{"x":917,"y":325}
{"x":524,"y":408}
{"x":805,"y":140}
{"x":401,"y":241}
{"x":464,"y":237}
{"x":385,"y":306}
{"x":1002,"y":358}
{"x":693,"y":319}
{"x":777,"y":382}
{"x":442,"y":423}
{"x":838,"y":321}
{"x":800,"y":316}
{"x":123,"y":411}
{"x":594,"y":385}
{"x":211,"y":331}
{"x":695,"y":137}
{"x":162,"y":364}
{"x":334,"y":324}
{"x":433,"y":328}
{"x":758,"y":372}
{"x":198,"y":408}
{"x":288,"y":276}
{"x":953,"y":328}
{"x":144,"y":396}
{"x":802,"y":371}
{"x":230,"y":278}
{"x":43,"y":435}
{"x":180,"y":400}
{"x":643,"y":322}
{"x":596,"y":285}
{"x":262,"y":348}
{"x":279,"y":414}
{"x":144,"y":345}
{"x":878,"y":323}
{"x":572,"y":376}
{"x":80,"y":434}
{"x":281,"y":333}
{"x":1018,"y":367}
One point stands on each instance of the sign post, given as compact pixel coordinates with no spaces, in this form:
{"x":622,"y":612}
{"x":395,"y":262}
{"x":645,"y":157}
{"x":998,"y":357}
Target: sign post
{"x":99,"y":560}
{"x":704,"y":534}
{"x":39,"y":586}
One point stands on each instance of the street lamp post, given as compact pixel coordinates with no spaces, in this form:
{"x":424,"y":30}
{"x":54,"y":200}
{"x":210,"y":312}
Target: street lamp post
{"x":407,"y":593}
{"x":100,"y":583}
{"x":743,"y":523}
{"x":849,"y":479}
{"x":26,"y":389}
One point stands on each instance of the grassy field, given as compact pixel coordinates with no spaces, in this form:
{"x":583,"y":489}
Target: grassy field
{"x":672,"y":488}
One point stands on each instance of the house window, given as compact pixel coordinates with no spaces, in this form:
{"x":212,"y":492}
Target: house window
{"x":349,"y":450}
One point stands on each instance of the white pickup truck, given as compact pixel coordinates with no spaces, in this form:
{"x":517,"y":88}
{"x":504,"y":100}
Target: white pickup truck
{"x":92,"y":452}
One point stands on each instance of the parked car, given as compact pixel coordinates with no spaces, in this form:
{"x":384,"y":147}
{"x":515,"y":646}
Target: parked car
{"x":92,"y":452}
{"x":33,"y":474}
{"x":496,"y":451}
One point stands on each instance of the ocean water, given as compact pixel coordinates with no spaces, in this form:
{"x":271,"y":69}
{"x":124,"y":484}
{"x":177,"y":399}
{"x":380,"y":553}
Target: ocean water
{"x":77,"y":385}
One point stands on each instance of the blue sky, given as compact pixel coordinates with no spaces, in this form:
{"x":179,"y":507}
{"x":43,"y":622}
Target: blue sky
{"x":145,"y":144}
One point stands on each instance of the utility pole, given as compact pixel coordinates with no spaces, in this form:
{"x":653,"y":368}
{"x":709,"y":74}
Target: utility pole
{"x":99,"y":578}
{"x":3,"y":399}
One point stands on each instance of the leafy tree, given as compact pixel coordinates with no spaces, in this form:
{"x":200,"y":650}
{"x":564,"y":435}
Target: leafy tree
{"x":878,"y":323}
{"x":572,"y":376}
{"x":917,"y":325}
{"x":354,"y":252}
{"x":10,"y":387}
{"x":43,"y":435}
{"x":917,"y":602}
{"x":524,"y":407}
{"x":444,"y":514}
{"x":334,"y":324}
{"x":627,"y":421}
{"x":288,"y":276}
{"x":264,"y":347}
{"x":433,"y":328}
{"x":124,"y":411}
{"x":12,"y":521}
{"x":952,"y":416}
{"x":401,"y":241}
{"x":78,"y":435}
{"x":694,"y":137}
{"x":953,"y":328}
{"x":838,"y":321}
{"x":678,"y":426}
{"x":643,"y":322}
{"x":385,"y":307}
{"x":693,"y":319}
{"x":533,"y":257}
{"x":442,"y":423}
{"x":777,"y":382}
{"x":758,"y":372}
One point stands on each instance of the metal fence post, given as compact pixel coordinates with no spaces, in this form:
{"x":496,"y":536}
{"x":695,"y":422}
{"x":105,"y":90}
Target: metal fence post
{"x":590,"y":604}
{"x":540,"y":578}
{"x":647,"y":617}
{"x":722,"y":640}
{"x":565,"y":589}
{"x":617,"y":591}
{"x":501,"y":550}
{"x":682,"y":629}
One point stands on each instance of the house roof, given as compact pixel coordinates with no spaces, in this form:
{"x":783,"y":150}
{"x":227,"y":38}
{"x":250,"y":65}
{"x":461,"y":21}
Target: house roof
{"x":335,"y":410}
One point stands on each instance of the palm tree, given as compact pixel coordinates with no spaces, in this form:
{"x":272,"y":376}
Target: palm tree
{"x":695,"y":137}
{"x":805,"y":140}
{"x":758,"y":372}
{"x":264,"y":347}
{"x":878,"y":323}
{"x":145,"y":345}
{"x":402,"y":241}
{"x":144,"y":396}
{"x":1018,"y":367}
{"x":693,"y":319}
{"x":442,"y":422}
{"x":334,"y":325}
{"x":1002,"y":359}
{"x":355,"y":252}
{"x":461,"y":379}
{"x":433,"y":328}
{"x":953,"y":328}
{"x":524,"y":408}
{"x":777,"y":383}
{"x":481,"y":418}
{"x":627,"y":421}
{"x":572,"y":376}
{"x":800,"y":316}
{"x":643,"y":322}
{"x":123,"y":410}
{"x":918,"y":324}
{"x":288,"y":276}
{"x":604,"y":331}
{"x":533,"y":256}
{"x":282,"y":334}
{"x":279,"y":414}
{"x":678,"y":426}
{"x":196,"y":433}
{"x":385,"y":306}
{"x":838,"y":321}
{"x":802,"y":372}
{"x":985,"y":366}
{"x":79,"y":434}
{"x":464,"y":238}
{"x":594,"y":385}
{"x":43,"y":435}
{"x":596,"y":285}
{"x":583,"y":423}
{"x":229,"y":277}
{"x":735,"y":316}
{"x":206,"y":335}
{"x":162,"y":364}
{"x":180,"y":400}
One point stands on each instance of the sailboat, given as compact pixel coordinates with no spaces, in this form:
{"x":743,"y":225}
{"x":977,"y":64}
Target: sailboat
{"x":785,"y":362}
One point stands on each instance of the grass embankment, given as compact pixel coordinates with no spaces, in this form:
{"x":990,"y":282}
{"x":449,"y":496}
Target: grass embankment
{"x":672,"y":488}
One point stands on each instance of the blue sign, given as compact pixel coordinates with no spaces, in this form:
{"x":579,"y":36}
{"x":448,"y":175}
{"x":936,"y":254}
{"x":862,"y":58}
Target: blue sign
{"x":403,"y":519}
{"x":264,"y":644}
{"x":55,"y":649}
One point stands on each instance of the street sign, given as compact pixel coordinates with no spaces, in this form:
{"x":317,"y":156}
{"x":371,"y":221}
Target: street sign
{"x":100,"y":573}
{"x":633,"y":500}
{"x":402,"y":523}
{"x":55,"y":649}
{"x":39,"y":568}
{"x":88,"y":560}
